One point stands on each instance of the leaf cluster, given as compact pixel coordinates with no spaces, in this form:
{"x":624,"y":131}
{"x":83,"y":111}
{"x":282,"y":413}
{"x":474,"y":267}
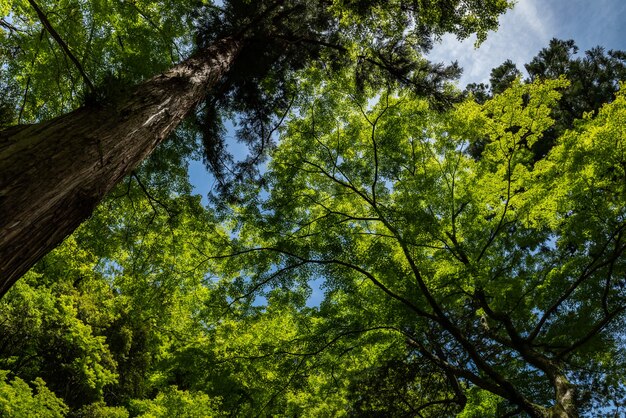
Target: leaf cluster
{"x":594,"y":80}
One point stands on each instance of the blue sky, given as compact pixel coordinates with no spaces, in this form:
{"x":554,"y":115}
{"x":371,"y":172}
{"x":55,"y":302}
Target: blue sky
{"x":523,"y":31}
{"x":529,"y":26}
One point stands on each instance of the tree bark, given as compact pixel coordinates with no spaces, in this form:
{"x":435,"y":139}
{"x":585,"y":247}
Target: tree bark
{"x":565,"y":392}
{"x":565,"y":405}
{"x":54,"y":173}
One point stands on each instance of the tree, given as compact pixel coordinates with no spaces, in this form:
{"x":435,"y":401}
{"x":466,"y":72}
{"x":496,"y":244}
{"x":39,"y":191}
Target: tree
{"x":446,"y":279}
{"x":502,"y":274}
{"x":504,"y":75}
{"x":100,"y":317}
{"x":121,"y":319}
{"x":178,"y":404}
{"x":594,"y":77}
{"x":55,"y":172}
{"x":17,"y":399}
{"x":594,"y":80}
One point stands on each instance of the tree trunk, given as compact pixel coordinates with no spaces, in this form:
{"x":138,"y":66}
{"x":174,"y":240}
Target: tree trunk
{"x":54,"y":173}
{"x":565,"y":392}
{"x":565,"y":398}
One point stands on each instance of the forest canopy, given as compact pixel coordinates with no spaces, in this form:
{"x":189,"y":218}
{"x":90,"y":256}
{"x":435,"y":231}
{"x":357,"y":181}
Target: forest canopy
{"x":393,"y":246}
{"x":242,"y":59}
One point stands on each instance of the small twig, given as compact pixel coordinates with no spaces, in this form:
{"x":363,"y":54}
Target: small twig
{"x":150,"y":197}
{"x":9,"y":26}
{"x":46,"y":23}
{"x":19,"y":118}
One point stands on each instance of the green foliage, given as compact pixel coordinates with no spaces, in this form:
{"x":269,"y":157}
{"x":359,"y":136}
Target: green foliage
{"x":594,"y":80}
{"x":176,"y":403}
{"x":480,"y":404}
{"x":434,"y":267}
{"x":97,"y":316}
{"x":452,"y":285}
{"x":100,"y":410}
{"x":17,"y":399}
{"x":381,"y":43}
{"x":45,"y":331}
{"x":489,"y":264}
{"x":130,"y":40}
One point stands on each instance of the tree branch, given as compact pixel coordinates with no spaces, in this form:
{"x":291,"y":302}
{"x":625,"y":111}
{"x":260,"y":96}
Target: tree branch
{"x":586,"y":273}
{"x":46,"y":23}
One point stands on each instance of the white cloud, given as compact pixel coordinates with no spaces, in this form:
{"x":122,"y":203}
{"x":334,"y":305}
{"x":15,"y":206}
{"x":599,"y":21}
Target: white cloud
{"x":529,"y":27}
{"x":523,"y":31}
{"x":539,"y":23}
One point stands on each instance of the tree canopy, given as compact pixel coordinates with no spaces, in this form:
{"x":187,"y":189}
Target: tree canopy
{"x":484,"y":269}
{"x":594,"y":80}
{"x":245,"y":59}
{"x":403,"y":251}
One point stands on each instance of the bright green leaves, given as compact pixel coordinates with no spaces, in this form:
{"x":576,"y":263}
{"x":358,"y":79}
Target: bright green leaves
{"x":439,"y":271}
{"x":480,"y":403}
{"x":18,"y":400}
{"x":592,"y":155}
{"x":374,"y":182}
{"x":582,"y":202}
{"x":518,"y":116}
{"x":111,"y":40}
{"x":5,"y":8}
{"x":118,"y":298}
{"x":382,"y":201}
{"x":177,"y":403}
{"x":583,"y":178}
{"x":501,"y":181}
{"x":41,"y":326}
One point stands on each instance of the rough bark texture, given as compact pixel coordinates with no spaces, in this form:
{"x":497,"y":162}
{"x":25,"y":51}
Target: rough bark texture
{"x":54,"y":173}
{"x":565,"y":397}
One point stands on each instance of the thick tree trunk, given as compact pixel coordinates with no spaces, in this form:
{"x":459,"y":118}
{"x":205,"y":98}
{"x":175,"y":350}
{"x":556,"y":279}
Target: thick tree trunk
{"x":565,"y":396}
{"x":54,"y":173}
{"x":565,"y":406}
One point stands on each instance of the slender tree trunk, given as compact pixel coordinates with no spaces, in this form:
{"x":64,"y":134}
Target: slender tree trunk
{"x":54,"y":173}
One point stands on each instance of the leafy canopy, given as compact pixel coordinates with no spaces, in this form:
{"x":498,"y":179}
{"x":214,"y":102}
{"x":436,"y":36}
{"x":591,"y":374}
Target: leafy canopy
{"x":128,"y":40}
{"x":500,"y":273}
{"x":453,"y":285}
